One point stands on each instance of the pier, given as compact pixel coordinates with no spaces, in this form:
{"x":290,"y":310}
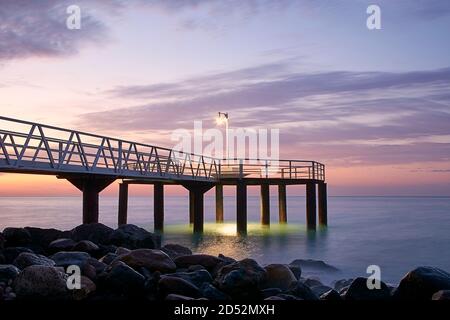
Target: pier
{"x":92,"y":162}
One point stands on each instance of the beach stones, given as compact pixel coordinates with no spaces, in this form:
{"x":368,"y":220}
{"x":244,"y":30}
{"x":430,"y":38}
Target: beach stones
{"x":95,"y":232}
{"x":175,"y":285}
{"x":359,"y":290}
{"x":86,"y":246}
{"x":301,"y":290}
{"x":87,"y":288}
{"x":63,"y":244}
{"x":241,"y":279}
{"x":124,"y":279}
{"x":278,"y":276}
{"x":212,"y":293}
{"x":16,"y":237}
{"x":65,"y":259}
{"x":43,"y":237}
{"x":132,"y":237}
{"x":331,"y":295}
{"x":8,"y":272}
{"x":441,"y":295}
{"x":41,"y":282}
{"x":309,"y":264}
{"x":151,"y":259}
{"x":205,"y":260}
{"x":197,"y":278}
{"x":421,"y":283}
{"x":176,"y":250}
{"x":11,"y":253}
{"x":26,"y":259}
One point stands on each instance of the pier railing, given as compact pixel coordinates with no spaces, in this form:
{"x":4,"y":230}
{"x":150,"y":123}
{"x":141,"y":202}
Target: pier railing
{"x":37,"y":148}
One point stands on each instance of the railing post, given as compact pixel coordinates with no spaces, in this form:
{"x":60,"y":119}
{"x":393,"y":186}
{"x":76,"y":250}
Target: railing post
{"x":241,"y":169}
{"x":313,"y":170}
{"x":119,"y":158}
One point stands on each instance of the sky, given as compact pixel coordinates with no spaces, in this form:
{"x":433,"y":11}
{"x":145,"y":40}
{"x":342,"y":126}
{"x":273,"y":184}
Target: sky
{"x":372,"y":105}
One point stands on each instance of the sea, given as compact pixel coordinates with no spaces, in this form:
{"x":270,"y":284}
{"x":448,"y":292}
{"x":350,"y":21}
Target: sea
{"x":395,"y":234}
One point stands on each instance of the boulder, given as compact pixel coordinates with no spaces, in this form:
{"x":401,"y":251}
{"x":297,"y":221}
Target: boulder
{"x":309,"y":264}
{"x":124,"y":279}
{"x":197,"y":278}
{"x":312,"y":282}
{"x":195,"y":267}
{"x":289,"y":297}
{"x":8,"y":272}
{"x":340,"y":284}
{"x":122,"y":250}
{"x":300,"y":290}
{"x":62,"y":244}
{"x":278,"y":276}
{"x":205,"y":260}
{"x":270,"y":292}
{"x":152,"y":259}
{"x":212,"y":293}
{"x":296,"y":270}
{"x":174,"y":285}
{"x":41,"y":282}
{"x":242,"y":279}
{"x":320,"y":290}
{"x":331,"y":295}
{"x":87,"y":288}
{"x":98,"y":265}
{"x":12,"y":253}
{"x":26,"y":259}
{"x":132,"y":237}
{"x":95,"y":232}
{"x":108,"y":258}
{"x":86,"y":246}
{"x":64,"y":259}
{"x":2,"y":241}
{"x":43,"y":237}
{"x":441,"y":295}
{"x":177,"y":297}
{"x":274,"y":298}
{"x":16,"y":237}
{"x":421,"y":283}
{"x":176,"y":250}
{"x":359,"y":290}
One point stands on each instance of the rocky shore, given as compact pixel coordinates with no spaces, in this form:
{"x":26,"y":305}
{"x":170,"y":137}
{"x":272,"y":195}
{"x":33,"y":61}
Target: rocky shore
{"x":129,"y":262}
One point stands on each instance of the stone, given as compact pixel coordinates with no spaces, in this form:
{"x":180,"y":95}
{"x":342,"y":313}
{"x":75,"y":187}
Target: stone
{"x":300,"y":290}
{"x":312,"y":282}
{"x":339,"y":284}
{"x":176,"y":297}
{"x":12,"y":253}
{"x":124,"y":279}
{"x":16,"y":237}
{"x":197,"y":278}
{"x":152,"y":259}
{"x":441,"y":295}
{"x":270,"y":292}
{"x":8,"y":272}
{"x":212,"y":293}
{"x":65,"y":259}
{"x":62,"y":244}
{"x":195,"y":267}
{"x":43,"y":237}
{"x":314,"y":265}
{"x":175,"y":285}
{"x":2,"y":241}
{"x":320,"y":289}
{"x":39,"y":282}
{"x":242,"y":279}
{"x":122,"y":250}
{"x":274,"y":298}
{"x":26,"y":259}
{"x":132,"y":237}
{"x":278,"y":276}
{"x":205,"y":260}
{"x":289,"y":297}
{"x":359,"y":290}
{"x":95,"y":232}
{"x":86,"y":246}
{"x":98,"y":265}
{"x":87,"y":288}
{"x":108,"y":258}
{"x":296,"y":270}
{"x":176,"y":250}
{"x":331,"y":295}
{"x":421,"y":283}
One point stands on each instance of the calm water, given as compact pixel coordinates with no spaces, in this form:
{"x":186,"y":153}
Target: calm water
{"x":396,"y":233}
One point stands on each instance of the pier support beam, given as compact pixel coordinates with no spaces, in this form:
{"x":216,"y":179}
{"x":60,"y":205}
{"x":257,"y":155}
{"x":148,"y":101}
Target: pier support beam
{"x":219,"y":203}
{"x":323,"y":210}
{"x":241,"y":207}
{"x":158,"y":206}
{"x":282,"y":203}
{"x":196,"y":203}
{"x":265,"y":204}
{"x":123,"y":204}
{"x":311,"y":206}
{"x":91,"y":186}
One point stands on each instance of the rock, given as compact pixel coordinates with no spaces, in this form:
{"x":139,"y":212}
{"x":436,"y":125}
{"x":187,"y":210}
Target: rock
{"x":208,"y":261}
{"x":124,"y":279}
{"x":312,"y":282}
{"x":88,"y":271}
{"x":86,"y":246}
{"x":108,"y":258}
{"x":421,"y":283}
{"x":441,"y":295}
{"x":122,"y":250}
{"x":226,"y":259}
{"x":132,"y":237}
{"x":12,"y":253}
{"x":274,"y":298}
{"x":95,"y":232}
{"x":296,"y":270}
{"x":197,"y":278}
{"x":16,"y":237}
{"x":300,"y":290}
{"x":87,"y":288}
{"x":290,"y":297}
{"x":176,"y":297}
{"x":241,"y":279}
{"x":175,"y":285}
{"x":320,"y":290}
{"x":98,"y":265}
{"x":278,"y":276}
{"x":2,"y":241}
{"x":339,"y":284}
{"x":195,"y":267}
{"x":62,"y":244}
{"x":314,"y":265}
{"x":43,"y":237}
{"x":331,"y":295}
{"x":176,"y":250}
{"x":212,"y":293}
{"x":152,"y":259}
{"x":65,"y":259}
{"x":358,"y":290}
{"x":269,"y":292}
{"x":26,"y":259}
{"x":8,"y":272}
{"x":41,"y":282}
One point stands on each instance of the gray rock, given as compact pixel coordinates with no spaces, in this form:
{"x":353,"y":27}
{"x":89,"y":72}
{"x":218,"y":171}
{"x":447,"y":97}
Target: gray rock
{"x":359,"y":290}
{"x":195,"y":267}
{"x":95,"y":232}
{"x":177,"y":297}
{"x":331,"y":295}
{"x":132,"y":237}
{"x":12,"y":253}
{"x":278,"y":276}
{"x":309,"y":264}
{"x":87,"y":288}
{"x":26,"y":259}
{"x":289,"y":297}
{"x":212,"y":293}
{"x":152,"y":259}
{"x":41,"y":282}
{"x":296,"y":270}
{"x":64,"y":259}
{"x":312,"y":282}
{"x":174,"y":285}
{"x":43,"y":237}
{"x":86,"y":246}
{"x":8,"y":272}
{"x":197,"y":278}
{"x":269,"y":292}
{"x":16,"y":237}
{"x":208,"y":261}
{"x":274,"y":298}
{"x":441,"y":295}
{"x":300,"y":290}
{"x":62,"y":244}
{"x":176,"y":250}
{"x":421,"y":283}
{"x":126,"y":280}
{"x":339,"y":284}
{"x":108,"y":258}
{"x":122,"y":250}
{"x":320,"y":290}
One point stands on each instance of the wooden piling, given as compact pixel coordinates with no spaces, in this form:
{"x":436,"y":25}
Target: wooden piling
{"x":265,"y":204}
{"x":311,"y":206}
{"x":219,"y":203}
{"x":322,"y":200}
{"x":241,"y":207}
{"x":282,"y":203}
{"x":158,"y":206}
{"x":123,"y":204}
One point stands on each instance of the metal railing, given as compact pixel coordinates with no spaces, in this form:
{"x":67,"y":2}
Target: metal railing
{"x":38,"y":148}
